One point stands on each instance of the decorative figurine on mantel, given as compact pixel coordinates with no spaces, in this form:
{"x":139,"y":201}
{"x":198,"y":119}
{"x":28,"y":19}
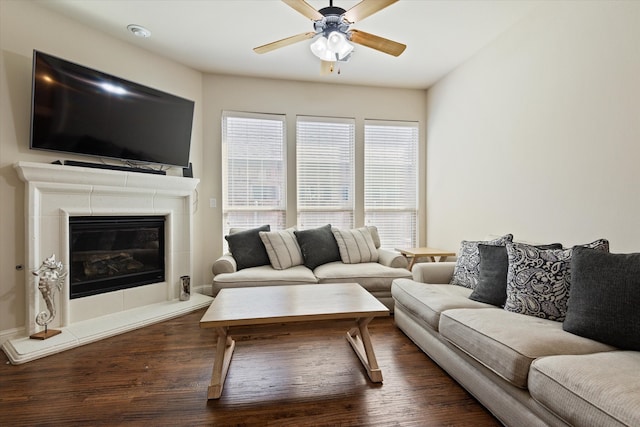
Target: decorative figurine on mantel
{"x":50,"y":276}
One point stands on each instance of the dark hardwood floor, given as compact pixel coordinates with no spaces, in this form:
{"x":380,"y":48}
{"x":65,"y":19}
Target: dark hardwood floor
{"x":280,"y":375}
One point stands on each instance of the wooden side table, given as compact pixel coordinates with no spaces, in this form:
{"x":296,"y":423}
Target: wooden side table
{"x":413,"y":254}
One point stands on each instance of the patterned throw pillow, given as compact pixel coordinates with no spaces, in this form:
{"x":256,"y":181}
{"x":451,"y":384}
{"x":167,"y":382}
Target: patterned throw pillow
{"x":282,"y":248}
{"x":538,"y":280}
{"x":356,"y":245}
{"x":466,"y":271}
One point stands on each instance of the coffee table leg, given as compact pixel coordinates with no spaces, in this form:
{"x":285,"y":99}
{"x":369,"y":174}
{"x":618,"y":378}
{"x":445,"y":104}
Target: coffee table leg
{"x":360,"y":341}
{"x":224,"y":351}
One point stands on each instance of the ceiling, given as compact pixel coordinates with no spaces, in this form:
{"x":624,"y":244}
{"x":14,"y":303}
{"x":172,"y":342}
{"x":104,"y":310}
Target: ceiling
{"x":217,"y":36}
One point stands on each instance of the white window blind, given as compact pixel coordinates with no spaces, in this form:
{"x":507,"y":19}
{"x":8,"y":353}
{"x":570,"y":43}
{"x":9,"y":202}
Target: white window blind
{"x":254,"y":170}
{"x":391,"y":179}
{"x":325,"y":176}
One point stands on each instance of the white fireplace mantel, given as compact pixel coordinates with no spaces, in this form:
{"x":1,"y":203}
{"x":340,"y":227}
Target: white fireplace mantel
{"x":56,"y":192}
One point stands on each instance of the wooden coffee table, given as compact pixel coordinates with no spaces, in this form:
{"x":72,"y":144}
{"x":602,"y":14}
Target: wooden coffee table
{"x":286,"y":304}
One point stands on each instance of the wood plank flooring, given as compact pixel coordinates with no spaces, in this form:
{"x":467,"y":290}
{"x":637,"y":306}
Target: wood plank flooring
{"x":298,"y":375}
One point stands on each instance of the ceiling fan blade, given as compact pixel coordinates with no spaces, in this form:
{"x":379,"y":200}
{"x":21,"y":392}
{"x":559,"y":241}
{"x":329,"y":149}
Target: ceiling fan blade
{"x":304,"y":8}
{"x":378,"y":43}
{"x":326,"y":67}
{"x":366,"y":8}
{"x":284,"y":42}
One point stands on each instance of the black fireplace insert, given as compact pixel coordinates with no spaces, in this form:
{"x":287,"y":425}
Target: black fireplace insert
{"x":110,"y":253}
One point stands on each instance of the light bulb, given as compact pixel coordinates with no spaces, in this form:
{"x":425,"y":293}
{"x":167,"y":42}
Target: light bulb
{"x":320,"y":49}
{"x":335,"y":41}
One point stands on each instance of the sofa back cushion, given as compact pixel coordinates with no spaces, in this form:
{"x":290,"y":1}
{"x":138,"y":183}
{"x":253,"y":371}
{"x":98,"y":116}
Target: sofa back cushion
{"x":374,"y":235}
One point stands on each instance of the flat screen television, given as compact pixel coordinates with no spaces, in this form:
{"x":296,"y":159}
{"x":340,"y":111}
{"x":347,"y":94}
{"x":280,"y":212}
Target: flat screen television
{"x":75,"y":109}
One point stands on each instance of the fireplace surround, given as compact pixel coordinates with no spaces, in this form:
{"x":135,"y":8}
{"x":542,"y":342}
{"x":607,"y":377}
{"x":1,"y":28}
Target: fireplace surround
{"x":56,"y":193}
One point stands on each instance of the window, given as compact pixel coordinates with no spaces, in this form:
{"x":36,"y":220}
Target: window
{"x":254,"y":148}
{"x":390,"y":181}
{"x":325,"y":162}
{"x":254,"y":172}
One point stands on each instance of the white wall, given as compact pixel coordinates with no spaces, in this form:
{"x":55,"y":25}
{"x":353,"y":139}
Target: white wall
{"x":539,"y":134}
{"x":24,"y":27}
{"x":297,"y":98}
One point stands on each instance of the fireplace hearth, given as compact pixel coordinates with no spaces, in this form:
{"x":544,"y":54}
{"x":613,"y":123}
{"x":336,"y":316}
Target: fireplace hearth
{"x":109,"y":253}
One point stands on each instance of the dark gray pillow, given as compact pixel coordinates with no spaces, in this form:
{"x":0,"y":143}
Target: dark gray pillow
{"x":318,"y":246}
{"x":604,"y":299}
{"x":492,"y":280}
{"x":247,"y":248}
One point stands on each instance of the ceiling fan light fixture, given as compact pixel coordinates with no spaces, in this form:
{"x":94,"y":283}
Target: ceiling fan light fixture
{"x":333,"y":47}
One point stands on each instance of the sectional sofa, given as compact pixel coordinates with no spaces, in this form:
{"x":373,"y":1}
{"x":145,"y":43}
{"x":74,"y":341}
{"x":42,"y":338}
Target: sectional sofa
{"x":260,"y":257}
{"x":532,"y":359}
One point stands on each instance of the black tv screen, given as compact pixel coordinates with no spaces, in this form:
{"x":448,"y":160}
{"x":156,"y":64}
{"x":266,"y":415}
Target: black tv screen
{"x":82,"y":111}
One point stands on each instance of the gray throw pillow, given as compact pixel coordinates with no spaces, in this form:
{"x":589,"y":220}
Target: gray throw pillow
{"x":492,"y":280}
{"x":247,"y":247}
{"x":318,"y":246}
{"x":604,"y":298}
{"x":538,"y":280}
{"x":466,"y":271}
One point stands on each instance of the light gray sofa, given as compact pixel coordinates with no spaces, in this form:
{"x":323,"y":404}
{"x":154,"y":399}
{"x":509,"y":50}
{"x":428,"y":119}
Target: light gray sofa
{"x":526,"y":370}
{"x":375,"y":277}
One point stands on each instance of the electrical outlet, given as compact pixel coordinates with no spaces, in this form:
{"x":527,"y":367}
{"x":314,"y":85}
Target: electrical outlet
{"x":212,"y":203}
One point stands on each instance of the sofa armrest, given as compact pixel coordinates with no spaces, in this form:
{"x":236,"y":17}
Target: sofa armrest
{"x":225,"y":264}
{"x":433,"y":272}
{"x":391,"y":258}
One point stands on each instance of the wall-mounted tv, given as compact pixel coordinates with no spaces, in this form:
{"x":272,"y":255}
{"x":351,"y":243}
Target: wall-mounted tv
{"x":78,"y":110}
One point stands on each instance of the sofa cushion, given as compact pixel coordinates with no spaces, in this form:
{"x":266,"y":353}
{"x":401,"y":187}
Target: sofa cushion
{"x":318,"y":246}
{"x":355,"y":245}
{"x":247,"y":248}
{"x":507,"y":343}
{"x":538,"y":280}
{"x":466,"y":271}
{"x":604,"y":299}
{"x":282,"y":248}
{"x":492,"y":279}
{"x":428,"y":301}
{"x":589,"y":390}
{"x":372,"y":276}
{"x":266,"y":275}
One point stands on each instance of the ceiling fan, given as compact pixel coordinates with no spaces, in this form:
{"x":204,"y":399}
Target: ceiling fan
{"x":332,"y":34}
